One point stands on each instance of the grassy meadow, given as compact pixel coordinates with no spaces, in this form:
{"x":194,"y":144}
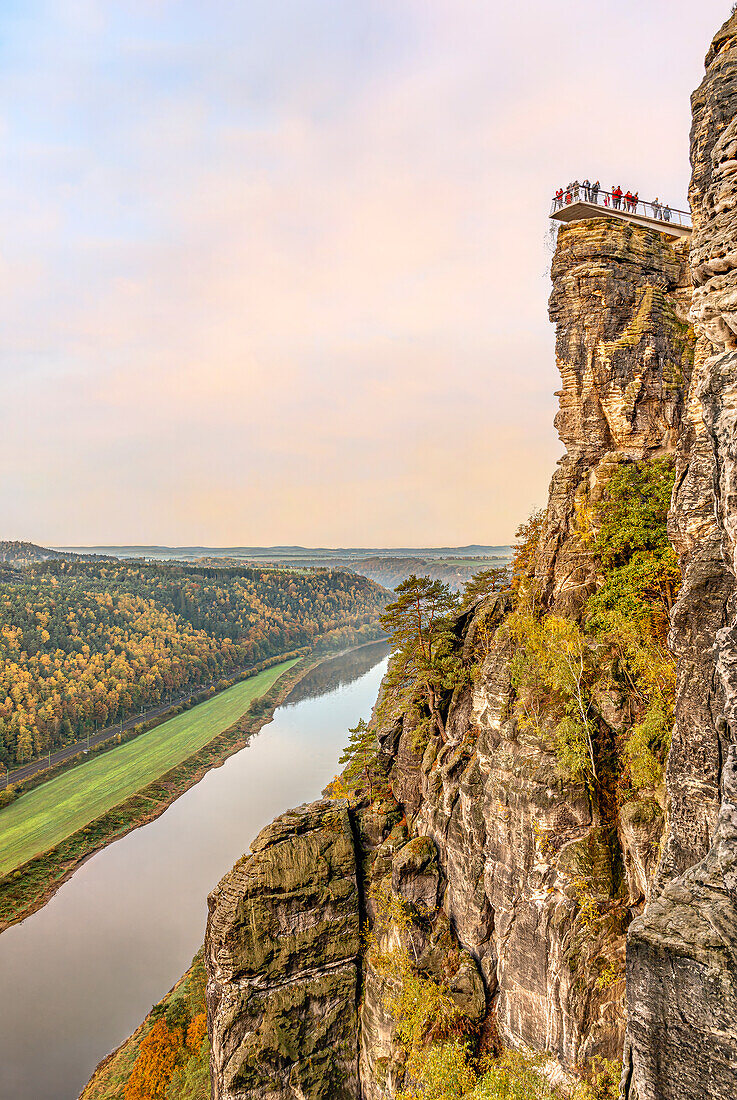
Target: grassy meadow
{"x":43,"y":817}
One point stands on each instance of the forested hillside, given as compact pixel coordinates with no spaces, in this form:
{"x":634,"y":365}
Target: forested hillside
{"x":17,"y":553}
{"x":83,"y":643}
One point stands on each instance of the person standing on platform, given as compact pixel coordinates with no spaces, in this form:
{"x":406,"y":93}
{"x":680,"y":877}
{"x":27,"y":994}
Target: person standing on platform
{"x":657,"y":208}
{"x":587,"y":190}
{"x":595,"y":191}
{"x":666,"y":213}
{"x":616,"y":196}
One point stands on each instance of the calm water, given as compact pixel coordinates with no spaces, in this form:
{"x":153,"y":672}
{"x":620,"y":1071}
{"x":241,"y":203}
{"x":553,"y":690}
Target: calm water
{"x":78,"y":977}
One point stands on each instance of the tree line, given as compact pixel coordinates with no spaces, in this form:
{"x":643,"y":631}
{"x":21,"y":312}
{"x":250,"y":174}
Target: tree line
{"x":84,"y":644}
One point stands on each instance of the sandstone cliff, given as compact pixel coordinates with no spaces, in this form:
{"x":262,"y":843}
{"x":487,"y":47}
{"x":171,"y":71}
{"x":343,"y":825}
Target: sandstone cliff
{"x":499,"y":860}
{"x":517,"y":846}
{"x":682,"y":955}
{"x":499,"y":884}
{"x":282,"y":956}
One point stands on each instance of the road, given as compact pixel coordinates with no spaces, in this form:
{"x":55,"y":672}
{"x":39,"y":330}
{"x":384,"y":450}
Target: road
{"x":42,"y":763}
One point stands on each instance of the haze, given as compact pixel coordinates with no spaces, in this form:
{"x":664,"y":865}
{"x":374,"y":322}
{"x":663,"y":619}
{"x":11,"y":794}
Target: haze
{"x":274,"y":272}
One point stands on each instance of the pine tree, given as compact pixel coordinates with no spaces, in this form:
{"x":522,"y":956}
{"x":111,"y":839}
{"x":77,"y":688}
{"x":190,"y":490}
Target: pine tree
{"x":419,"y":623}
{"x":358,"y":756}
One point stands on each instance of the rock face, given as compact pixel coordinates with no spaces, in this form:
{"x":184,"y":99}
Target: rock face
{"x":682,"y":954}
{"x":492,"y":853}
{"x":682,"y":976}
{"x":282,"y":950}
{"x":496,"y":862}
{"x":620,"y":305}
{"x":518,"y":851}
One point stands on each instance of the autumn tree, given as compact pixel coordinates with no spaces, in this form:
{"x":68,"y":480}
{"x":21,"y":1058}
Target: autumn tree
{"x":155,"y":1064}
{"x":528,"y":537}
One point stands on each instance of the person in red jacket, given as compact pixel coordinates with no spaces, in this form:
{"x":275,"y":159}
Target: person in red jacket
{"x":616,"y":197}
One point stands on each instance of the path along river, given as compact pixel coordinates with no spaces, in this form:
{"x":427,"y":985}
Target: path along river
{"x":78,"y":976}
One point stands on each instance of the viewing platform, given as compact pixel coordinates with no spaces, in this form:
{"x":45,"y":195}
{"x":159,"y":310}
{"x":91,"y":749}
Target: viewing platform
{"x":578,"y":203}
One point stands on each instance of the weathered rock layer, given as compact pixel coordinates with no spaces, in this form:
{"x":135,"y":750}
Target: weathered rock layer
{"x":497,"y":859}
{"x":682,"y":954}
{"x":282,"y":951}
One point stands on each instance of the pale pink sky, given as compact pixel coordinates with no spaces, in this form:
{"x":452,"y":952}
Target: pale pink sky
{"x":274,"y":272}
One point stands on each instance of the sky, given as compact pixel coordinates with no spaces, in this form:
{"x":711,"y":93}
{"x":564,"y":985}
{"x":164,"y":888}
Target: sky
{"x":275,"y":271}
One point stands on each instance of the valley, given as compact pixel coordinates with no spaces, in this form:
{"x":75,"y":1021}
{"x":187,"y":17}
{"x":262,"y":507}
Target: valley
{"x":125,"y":927}
{"x":40,"y":819}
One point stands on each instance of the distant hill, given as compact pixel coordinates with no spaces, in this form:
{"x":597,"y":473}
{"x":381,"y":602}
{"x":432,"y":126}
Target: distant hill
{"x":27,"y":553}
{"x":454,"y":565}
{"x":390,"y":572}
{"x":19,"y":555}
{"x":306,"y":556}
{"x":94,"y":641}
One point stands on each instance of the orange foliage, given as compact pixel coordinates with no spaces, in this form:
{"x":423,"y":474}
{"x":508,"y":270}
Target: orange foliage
{"x":84,"y":644}
{"x":155,"y":1064}
{"x":196,"y":1031}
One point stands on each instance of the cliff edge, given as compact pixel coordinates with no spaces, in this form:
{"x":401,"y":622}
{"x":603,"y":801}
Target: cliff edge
{"x":682,"y":953}
{"x":506,"y":846}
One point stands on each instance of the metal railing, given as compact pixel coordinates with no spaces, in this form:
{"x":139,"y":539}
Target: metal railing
{"x":660,"y":211}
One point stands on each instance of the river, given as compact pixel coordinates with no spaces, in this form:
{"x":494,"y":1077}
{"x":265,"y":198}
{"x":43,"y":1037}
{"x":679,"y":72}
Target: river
{"x":78,"y":976}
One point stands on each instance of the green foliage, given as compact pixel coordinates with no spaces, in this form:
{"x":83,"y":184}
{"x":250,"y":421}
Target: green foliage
{"x":191,"y":1081}
{"x":358,"y":759}
{"x":633,"y":516}
{"x":552,"y":671}
{"x":444,"y":1072}
{"x":528,"y":534}
{"x":629,"y":613}
{"x":483,"y":583}
{"x":518,"y":1075}
{"x":641,"y":575}
{"x":7,"y":795}
{"x":558,"y":668}
{"x":647,"y":746}
{"x":86,"y":643}
{"x":430,"y":1027}
{"x":420,"y":625}
{"x":515,"y":1076}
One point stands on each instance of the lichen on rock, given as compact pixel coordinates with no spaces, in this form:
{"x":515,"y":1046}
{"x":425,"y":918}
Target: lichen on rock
{"x":282,"y":949}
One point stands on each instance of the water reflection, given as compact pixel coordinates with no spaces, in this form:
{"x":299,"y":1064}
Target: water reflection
{"x":336,"y":672}
{"x":77,"y":977}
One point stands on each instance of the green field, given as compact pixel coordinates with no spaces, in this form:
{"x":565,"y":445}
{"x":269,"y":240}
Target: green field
{"x":42,"y":818}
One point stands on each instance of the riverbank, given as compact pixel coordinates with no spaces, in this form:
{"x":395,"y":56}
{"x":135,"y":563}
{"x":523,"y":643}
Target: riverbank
{"x":28,"y":887}
{"x":48,"y":766}
{"x":126,"y":925}
{"x":41,"y":819}
{"x":183,"y":1004}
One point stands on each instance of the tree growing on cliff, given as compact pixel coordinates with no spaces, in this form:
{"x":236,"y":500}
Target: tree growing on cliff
{"x":523,"y":558}
{"x":419,"y":623}
{"x":483,"y":583}
{"x":358,"y":758}
{"x":155,"y":1064}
